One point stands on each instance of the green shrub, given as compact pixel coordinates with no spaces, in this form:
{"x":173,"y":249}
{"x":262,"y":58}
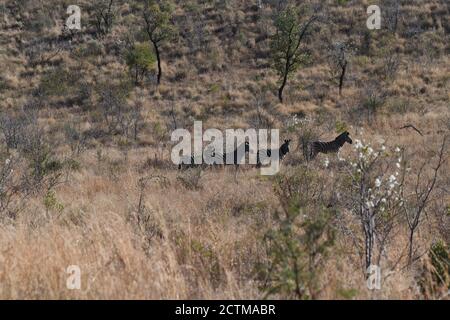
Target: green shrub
{"x":140,"y":60}
{"x":51,"y":203}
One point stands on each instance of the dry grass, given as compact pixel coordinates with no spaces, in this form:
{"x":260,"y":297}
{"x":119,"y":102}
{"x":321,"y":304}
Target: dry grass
{"x":207,"y":242}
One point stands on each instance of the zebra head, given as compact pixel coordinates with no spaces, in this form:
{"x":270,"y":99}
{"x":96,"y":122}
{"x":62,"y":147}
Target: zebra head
{"x":247,"y":146}
{"x":343,"y":138}
{"x":284,"y":149}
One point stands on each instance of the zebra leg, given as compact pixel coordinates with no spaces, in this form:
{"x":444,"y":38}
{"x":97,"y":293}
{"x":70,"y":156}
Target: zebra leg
{"x":236,"y":168}
{"x":309,"y":153}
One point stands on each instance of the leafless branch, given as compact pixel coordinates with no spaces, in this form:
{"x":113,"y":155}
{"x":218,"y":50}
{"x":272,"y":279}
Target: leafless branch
{"x":412,"y":127}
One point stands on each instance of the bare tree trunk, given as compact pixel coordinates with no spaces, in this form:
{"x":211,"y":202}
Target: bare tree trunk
{"x":369,"y":234}
{"x":368,"y":247}
{"x":136,"y":77}
{"x":410,"y":251}
{"x":280,"y":90}
{"x":158,"y":58}
{"x":341,"y":78}
{"x":283,"y":84}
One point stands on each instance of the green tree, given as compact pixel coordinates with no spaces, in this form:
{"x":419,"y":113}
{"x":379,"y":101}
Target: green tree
{"x":158,"y":27}
{"x":287,"y":54}
{"x":140,"y":59}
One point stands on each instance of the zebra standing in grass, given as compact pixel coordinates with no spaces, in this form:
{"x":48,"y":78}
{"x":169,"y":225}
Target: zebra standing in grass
{"x":328,"y":147}
{"x":234,"y":155}
{"x":282,"y":151}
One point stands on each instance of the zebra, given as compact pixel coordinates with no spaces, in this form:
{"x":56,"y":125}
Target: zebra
{"x":328,"y":147}
{"x":213,"y":154}
{"x":282,"y":151}
{"x":236,"y":161}
{"x":191,"y":162}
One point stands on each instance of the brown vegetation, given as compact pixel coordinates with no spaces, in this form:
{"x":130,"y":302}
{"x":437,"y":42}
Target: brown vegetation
{"x":86,"y":177}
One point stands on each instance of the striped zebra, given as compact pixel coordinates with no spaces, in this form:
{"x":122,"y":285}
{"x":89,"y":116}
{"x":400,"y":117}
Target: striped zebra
{"x":234,"y":156}
{"x":282,"y":151}
{"x":328,"y":147}
{"x":190,"y":162}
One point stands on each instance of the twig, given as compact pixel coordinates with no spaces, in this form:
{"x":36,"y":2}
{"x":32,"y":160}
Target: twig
{"x":412,"y":127}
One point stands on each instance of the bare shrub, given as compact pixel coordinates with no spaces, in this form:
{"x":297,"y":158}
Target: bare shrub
{"x":45,"y":167}
{"x":33,"y":167}
{"x":416,"y":201}
{"x":113,"y":107}
{"x":191,"y":178}
{"x":338,"y":61}
{"x":75,"y":137}
{"x":371,"y":99}
{"x":391,"y":14}
{"x":12,"y":127}
{"x":40,"y":19}
{"x":104,"y":13}
{"x":12,"y":187}
{"x":142,"y":217}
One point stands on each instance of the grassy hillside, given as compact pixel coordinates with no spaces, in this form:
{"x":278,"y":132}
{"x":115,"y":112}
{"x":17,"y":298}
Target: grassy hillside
{"x":86,"y":177}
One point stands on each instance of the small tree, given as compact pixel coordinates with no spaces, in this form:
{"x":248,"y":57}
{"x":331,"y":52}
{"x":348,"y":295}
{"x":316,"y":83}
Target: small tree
{"x":415,"y":203}
{"x":158,"y":27}
{"x":113,"y":106}
{"x":287,"y":54}
{"x":140,"y":59}
{"x":339,"y":58}
{"x":374,"y":196}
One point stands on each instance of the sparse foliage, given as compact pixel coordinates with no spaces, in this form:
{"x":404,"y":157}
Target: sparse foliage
{"x":140,"y":60}
{"x":104,"y":12}
{"x":338,"y":60}
{"x":303,"y":235}
{"x":158,"y":26}
{"x":416,"y":201}
{"x":286,"y":44}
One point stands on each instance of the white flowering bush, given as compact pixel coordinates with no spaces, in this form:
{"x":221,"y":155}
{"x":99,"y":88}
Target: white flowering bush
{"x":374,"y":194}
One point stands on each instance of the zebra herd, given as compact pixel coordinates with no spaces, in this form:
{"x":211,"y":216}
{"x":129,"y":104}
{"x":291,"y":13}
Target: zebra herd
{"x":314,"y":148}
